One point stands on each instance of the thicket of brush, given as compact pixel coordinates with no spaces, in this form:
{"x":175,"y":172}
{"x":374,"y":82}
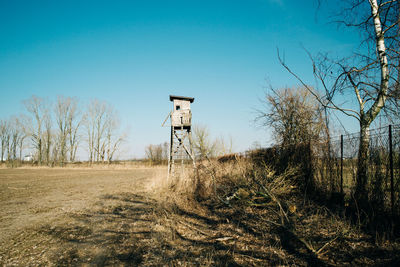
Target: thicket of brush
{"x":274,"y":198}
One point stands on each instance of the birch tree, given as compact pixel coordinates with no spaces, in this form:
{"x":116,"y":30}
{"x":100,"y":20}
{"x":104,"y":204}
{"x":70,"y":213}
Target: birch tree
{"x":369,"y":76}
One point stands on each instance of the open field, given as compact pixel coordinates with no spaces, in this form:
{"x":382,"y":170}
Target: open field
{"x":74,"y":216}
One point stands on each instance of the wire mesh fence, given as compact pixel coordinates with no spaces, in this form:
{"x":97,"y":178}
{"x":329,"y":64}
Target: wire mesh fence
{"x":336,"y":162}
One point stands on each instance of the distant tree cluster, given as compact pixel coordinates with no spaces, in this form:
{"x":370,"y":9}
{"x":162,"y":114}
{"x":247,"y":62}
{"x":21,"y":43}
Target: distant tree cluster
{"x":206,"y":147}
{"x":53,"y":132}
{"x":12,"y":137}
{"x":157,"y":154}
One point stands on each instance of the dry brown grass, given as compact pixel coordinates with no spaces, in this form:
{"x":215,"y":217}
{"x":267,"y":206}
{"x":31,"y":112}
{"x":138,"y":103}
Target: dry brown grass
{"x":254,"y":217}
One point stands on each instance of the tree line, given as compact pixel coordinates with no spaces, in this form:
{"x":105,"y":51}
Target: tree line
{"x":53,"y":132}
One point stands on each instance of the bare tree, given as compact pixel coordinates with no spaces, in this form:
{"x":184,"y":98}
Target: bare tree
{"x":58,"y":140}
{"x":370,"y":75}
{"x":67,"y":127}
{"x":103,"y":135}
{"x":165,"y":151}
{"x":23,"y":124}
{"x":157,"y":154}
{"x":113,"y":138}
{"x":154,"y":153}
{"x":223,"y":146}
{"x":89,"y":127}
{"x":62,"y":113}
{"x":294,"y":115}
{"x":110,"y":125}
{"x":17,"y":135}
{"x":73,"y":124}
{"x":48,"y":137}
{"x":94,"y":124}
{"x":100,"y":128}
{"x":14,"y":139}
{"x":204,"y":146}
{"x":35,"y":106}
{"x":12,"y":135}
{"x":4,"y":137}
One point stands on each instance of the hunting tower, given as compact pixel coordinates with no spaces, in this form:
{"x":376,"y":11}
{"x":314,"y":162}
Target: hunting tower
{"x":181,"y":132}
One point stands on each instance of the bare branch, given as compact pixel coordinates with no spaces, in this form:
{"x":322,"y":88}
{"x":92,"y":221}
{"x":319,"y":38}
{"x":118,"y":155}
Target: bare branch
{"x":348,"y":112}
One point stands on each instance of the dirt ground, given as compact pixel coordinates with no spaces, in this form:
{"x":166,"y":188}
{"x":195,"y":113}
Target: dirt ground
{"x":75,"y":216}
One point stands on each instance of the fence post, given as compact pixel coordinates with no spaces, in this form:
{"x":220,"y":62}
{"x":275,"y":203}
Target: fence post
{"x":341,"y":164}
{"x":391,"y":169}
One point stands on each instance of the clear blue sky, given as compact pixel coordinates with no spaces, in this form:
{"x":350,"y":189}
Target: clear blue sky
{"x":134,"y":54}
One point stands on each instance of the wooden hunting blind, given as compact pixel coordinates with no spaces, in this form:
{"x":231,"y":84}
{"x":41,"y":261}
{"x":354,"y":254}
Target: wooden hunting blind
{"x":181,"y":147}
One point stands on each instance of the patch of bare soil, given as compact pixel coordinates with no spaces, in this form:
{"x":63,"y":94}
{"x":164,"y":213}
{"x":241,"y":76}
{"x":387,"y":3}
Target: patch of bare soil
{"x":76,"y":216}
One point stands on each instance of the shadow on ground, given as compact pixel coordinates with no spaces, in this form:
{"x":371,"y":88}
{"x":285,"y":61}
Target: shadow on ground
{"x":115,"y":231}
{"x":132,"y":229}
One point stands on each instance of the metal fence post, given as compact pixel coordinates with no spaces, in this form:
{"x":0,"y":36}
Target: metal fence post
{"x":391,"y":169}
{"x":341,"y":164}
